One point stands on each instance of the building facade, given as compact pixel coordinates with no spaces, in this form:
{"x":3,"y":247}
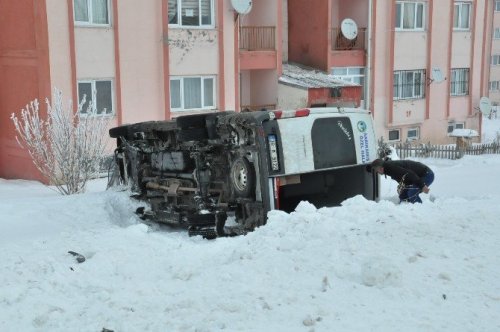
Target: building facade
{"x":148,"y":60}
{"x":494,"y":84}
{"x":423,"y":65}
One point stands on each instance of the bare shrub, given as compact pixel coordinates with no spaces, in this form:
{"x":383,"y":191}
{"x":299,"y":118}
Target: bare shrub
{"x":66,"y":147}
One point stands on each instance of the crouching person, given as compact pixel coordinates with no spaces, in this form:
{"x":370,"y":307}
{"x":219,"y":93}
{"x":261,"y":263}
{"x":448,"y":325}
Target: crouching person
{"x":412,"y":177}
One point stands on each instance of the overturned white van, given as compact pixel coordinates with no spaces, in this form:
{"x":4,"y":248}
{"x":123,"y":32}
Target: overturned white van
{"x":200,"y":171}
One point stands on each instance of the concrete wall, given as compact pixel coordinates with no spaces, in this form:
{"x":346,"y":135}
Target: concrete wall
{"x":59,"y":47}
{"x":308,"y":32}
{"x":24,"y":76}
{"x":290,"y":97}
{"x":141,"y":68}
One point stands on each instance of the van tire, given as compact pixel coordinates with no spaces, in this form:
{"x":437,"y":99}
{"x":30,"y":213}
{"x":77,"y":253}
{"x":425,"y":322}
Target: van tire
{"x":242,"y":177}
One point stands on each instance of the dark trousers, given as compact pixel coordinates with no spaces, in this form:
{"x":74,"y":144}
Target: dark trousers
{"x":411,"y":193}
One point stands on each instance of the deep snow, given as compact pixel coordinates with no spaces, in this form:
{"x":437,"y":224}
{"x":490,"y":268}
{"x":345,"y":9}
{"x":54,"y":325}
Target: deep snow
{"x":364,"y":266}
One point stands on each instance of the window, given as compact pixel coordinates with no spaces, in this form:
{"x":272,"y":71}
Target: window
{"x":497,"y":6}
{"x":413,"y":134}
{"x":191,"y":13}
{"x":459,"y":82}
{"x":394,"y":135}
{"x":495,"y":60}
{"x":409,"y":84}
{"x":496,"y":34}
{"x":461,"y":16}
{"x":350,"y":74}
{"x":494,"y":85}
{"x":455,"y":125}
{"x":95,"y":12}
{"x":98,"y":91}
{"x":192,"y":93}
{"x":409,"y":15}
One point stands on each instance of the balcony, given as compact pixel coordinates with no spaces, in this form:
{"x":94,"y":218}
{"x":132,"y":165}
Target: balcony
{"x":258,"y":47}
{"x":348,"y":53}
{"x":340,"y":43}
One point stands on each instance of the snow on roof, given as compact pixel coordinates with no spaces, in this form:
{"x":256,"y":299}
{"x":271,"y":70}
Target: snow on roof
{"x":463,"y":133}
{"x":306,"y":77}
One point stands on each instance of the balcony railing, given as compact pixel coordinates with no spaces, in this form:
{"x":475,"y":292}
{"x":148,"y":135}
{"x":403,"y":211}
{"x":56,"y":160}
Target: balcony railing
{"x":340,"y":43}
{"x":257,"y":38}
{"x":253,"y":108}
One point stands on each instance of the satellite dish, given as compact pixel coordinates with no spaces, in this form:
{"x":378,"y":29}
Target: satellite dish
{"x":437,"y":75}
{"x":349,"y":28}
{"x":485,"y":106}
{"x":242,"y":6}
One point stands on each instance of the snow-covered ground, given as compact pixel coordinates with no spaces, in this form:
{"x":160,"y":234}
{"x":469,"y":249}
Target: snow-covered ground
{"x":364,"y":266}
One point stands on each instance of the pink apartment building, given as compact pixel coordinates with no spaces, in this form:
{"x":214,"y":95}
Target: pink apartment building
{"x":495,"y":61}
{"x":422,"y":65}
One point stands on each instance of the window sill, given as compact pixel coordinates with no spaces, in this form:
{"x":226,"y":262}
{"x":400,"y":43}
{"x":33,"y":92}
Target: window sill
{"x":191,"y":27}
{"x":91,"y":25}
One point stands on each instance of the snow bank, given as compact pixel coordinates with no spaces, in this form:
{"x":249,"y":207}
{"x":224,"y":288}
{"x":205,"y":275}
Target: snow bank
{"x":362,"y":266}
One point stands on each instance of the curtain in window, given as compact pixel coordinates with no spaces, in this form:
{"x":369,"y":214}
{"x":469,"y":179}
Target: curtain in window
{"x":100,"y":11}
{"x":456,"y":16}
{"x":206,"y":12}
{"x":81,"y":11}
{"x":84,"y":89}
{"x":192,"y":92}
{"x":417,"y":92}
{"x":175,"y":94}
{"x":208,"y":92}
{"x":407,"y":85}
{"x":395,"y":85}
{"x":464,"y":24}
{"x":398,"y":15}
{"x":409,"y":16}
{"x":104,"y":103}
{"x":190,"y":12}
{"x":420,"y":16}
{"x":172,"y":12}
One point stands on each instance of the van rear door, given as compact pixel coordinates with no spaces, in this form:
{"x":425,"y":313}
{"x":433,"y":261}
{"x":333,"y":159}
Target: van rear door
{"x":322,"y":158}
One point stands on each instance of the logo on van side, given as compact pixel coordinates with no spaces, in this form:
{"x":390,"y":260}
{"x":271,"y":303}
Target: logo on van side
{"x":361,"y":126}
{"x":345,"y":130}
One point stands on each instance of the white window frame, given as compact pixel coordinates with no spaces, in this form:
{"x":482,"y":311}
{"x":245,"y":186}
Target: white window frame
{"x":497,"y":6}
{"x":83,"y":112}
{"x":401,"y":86}
{"x":389,"y":135}
{"x":200,"y":25}
{"x":455,"y":125}
{"x":400,"y":25}
{"x":459,"y":6}
{"x":459,"y":82}
{"x":417,"y":134}
{"x":352,"y":73}
{"x":181,"y":91}
{"x":89,"y":9}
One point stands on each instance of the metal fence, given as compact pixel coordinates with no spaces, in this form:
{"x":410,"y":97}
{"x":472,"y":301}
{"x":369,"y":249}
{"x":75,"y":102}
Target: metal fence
{"x":406,"y":150}
{"x":253,"y":38}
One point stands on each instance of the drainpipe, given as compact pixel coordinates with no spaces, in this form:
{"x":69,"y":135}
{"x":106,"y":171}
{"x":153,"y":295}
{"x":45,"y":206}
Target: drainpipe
{"x":368,"y":58}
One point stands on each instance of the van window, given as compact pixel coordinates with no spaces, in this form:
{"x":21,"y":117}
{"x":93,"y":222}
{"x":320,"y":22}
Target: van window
{"x":333,"y":143}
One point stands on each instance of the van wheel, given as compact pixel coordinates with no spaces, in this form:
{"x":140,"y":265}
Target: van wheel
{"x":242,"y":177}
